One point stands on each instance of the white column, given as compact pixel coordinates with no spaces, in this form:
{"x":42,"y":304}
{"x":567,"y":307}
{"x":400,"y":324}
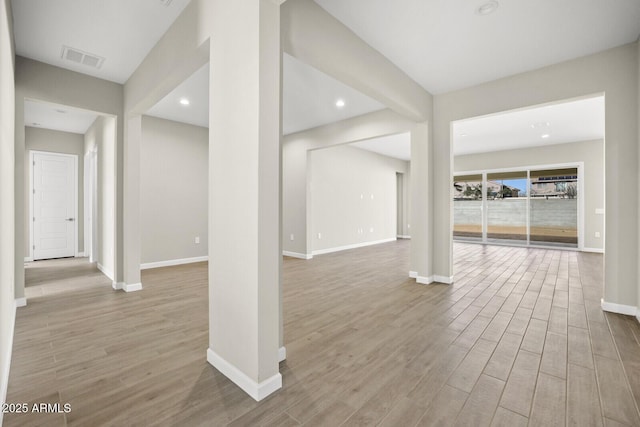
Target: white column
{"x":421,"y":205}
{"x":244,"y":210}
{"x":131,"y":206}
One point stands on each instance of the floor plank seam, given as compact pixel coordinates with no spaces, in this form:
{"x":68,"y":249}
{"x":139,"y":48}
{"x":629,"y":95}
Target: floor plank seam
{"x":624,"y":369}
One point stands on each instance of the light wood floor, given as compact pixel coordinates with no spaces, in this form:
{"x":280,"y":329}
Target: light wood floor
{"x":518,"y":339}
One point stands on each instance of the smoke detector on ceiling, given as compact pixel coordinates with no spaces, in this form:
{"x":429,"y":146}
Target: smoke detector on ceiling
{"x":487,"y":8}
{"x":81,"y":57}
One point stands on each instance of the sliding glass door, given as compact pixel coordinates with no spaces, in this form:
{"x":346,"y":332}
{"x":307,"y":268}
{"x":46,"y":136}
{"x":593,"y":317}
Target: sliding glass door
{"x":526,"y":207}
{"x":507,"y":207}
{"x":467,"y":207}
{"x":554,"y":207}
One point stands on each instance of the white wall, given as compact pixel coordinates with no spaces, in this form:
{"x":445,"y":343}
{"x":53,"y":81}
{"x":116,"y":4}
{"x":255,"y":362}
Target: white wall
{"x":353,"y":196}
{"x":589,"y":152}
{"x":638,"y":161}
{"x":295,"y":147}
{"x":7,"y":265}
{"x":56,"y":142}
{"x":173,"y":190}
{"x":101,"y":137}
{"x":613,"y":72}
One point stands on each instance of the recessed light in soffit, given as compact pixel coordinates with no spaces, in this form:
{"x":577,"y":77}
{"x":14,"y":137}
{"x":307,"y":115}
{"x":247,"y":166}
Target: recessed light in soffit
{"x":81,"y":57}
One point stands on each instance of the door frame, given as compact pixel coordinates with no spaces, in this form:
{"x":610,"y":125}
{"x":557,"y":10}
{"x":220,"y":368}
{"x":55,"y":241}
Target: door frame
{"x":90,"y":204}
{"x":32,"y":154}
{"x":581,"y":201}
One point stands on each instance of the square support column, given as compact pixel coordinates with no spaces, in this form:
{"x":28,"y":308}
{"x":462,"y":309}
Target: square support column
{"x":421,"y":218}
{"x":131,"y":247}
{"x":244,"y":201}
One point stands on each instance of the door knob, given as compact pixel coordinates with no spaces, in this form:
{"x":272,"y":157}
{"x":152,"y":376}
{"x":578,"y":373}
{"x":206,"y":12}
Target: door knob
{"x":70,"y":219}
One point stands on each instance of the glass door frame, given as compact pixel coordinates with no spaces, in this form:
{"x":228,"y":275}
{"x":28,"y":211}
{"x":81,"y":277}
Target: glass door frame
{"x":580,"y":204}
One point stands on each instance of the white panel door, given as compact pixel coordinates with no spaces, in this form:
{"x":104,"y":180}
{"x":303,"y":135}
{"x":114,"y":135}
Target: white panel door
{"x":54,"y":205}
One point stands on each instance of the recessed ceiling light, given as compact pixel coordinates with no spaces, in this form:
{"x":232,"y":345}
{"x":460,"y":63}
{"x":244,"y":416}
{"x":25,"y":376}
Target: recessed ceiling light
{"x":340,"y":103}
{"x":545,"y":136}
{"x":463,"y":135}
{"x":487,"y":8}
{"x":184,"y":101}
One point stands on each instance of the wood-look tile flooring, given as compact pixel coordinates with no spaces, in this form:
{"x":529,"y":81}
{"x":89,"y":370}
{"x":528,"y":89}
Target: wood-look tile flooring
{"x":519,"y":339}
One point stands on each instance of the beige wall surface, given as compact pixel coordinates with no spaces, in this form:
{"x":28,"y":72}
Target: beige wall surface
{"x":613,"y":72}
{"x":173,"y":190}
{"x":353,"y":196}
{"x":295,"y":147}
{"x":591,"y":153}
{"x":7,"y":264}
{"x":38,"y":81}
{"x":55,"y":142}
{"x":100,"y":137}
{"x":638,"y":162}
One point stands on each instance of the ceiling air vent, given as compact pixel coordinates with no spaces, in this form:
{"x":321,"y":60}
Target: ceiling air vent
{"x":80,"y":57}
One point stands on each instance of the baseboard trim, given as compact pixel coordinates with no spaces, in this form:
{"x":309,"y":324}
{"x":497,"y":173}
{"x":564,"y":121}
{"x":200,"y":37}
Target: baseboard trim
{"x":106,"y":271}
{"x":80,"y":255}
{"x":403,"y":236}
{"x":427,"y":280}
{"x":171,"y":262}
{"x":612,"y":307}
{"x":116,"y":285}
{"x":4,"y":374}
{"x":131,"y":287}
{"x":21,"y":302}
{"x":424,"y":280}
{"x":413,"y":274}
{"x":297,"y":255}
{"x":354,"y":246}
{"x":257,"y":391}
{"x":282,"y":354}
{"x":28,"y":259}
{"x":447,"y":280}
{"x":593,"y":250}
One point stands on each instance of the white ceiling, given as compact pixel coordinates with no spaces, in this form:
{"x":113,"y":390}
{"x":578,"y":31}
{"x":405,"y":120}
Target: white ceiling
{"x":309,"y":98}
{"x":57,"y":117}
{"x":397,"y":146}
{"x":446,"y":45}
{"x":579,"y":120}
{"x":443,"y":45}
{"x":121,"y":31}
{"x":196,"y":90}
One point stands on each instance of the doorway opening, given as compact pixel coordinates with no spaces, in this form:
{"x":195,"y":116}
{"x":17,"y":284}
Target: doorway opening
{"x":531,"y":177}
{"x":70,"y":178}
